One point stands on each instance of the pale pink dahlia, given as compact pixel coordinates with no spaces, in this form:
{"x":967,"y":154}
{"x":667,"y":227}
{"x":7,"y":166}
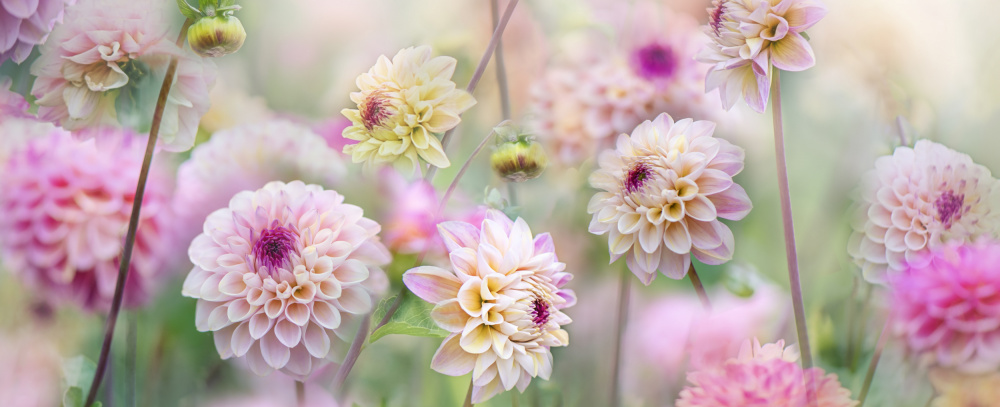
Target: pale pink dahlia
{"x":277,"y":272}
{"x":502,"y":302}
{"x":763,"y":376}
{"x":748,"y":37}
{"x":106,"y":48}
{"x":26,"y":23}
{"x":947,"y":308}
{"x":663,"y":190}
{"x":17,"y":126}
{"x":66,"y":206}
{"x":246,"y":158}
{"x":916,"y":200}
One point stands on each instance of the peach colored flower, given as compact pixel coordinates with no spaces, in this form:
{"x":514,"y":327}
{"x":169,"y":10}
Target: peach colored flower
{"x":663,"y":191}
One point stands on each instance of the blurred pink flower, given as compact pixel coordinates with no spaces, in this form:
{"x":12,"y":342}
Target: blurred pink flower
{"x":504,"y":310}
{"x":332,"y":130}
{"x":663,"y":191}
{"x":278,"y":271}
{"x":763,"y":376}
{"x":29,"y":370}
{"x":947,"y":308}
{"x":246,"y":158}
{"x":17,"y":126}
{"x":916,"y":200}
{"x":277,"y":390}
{"x":748,"y":37}
{"x":108,"y":45}
{"x":26,"y":23}
{"x":12,"y":104}
{"x":67,"y":205}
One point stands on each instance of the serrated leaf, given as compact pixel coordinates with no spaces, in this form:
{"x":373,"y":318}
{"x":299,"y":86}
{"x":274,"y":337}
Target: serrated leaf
{"x":78,"y":372}
{"x":188,"y":10}
{"x":412,"y":318}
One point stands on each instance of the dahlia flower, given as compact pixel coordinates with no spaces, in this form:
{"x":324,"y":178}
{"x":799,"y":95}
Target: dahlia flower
{"x":17,"y":126}
{"x":29,"y":370}
{"x":109,"y":47}
{"x":402,"y":104}
{"x":246,"y":158}
{"x":663,"y":190}
{"x":763,"y":376}
{"x":947,"y":308}
{"x":958,"y":390}
{"x":748,"y":37}
{"x":27,"y":23}
{"x":67,"y":205}
{"x":277,"y":271}
{"x":502,"y":302}
{"x":914,"y":201}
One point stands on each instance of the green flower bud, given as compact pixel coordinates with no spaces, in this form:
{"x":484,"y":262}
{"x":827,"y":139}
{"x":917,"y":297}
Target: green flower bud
{"x":519,"y":159}
{"x":216,"y":36}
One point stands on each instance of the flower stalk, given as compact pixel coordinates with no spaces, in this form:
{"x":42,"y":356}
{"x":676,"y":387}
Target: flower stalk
{"x":699,"y":288}
{"x":870,"y":375}
{"x":468,"y":396}
{"x":133,"y":224}
{"x":624,"y":286}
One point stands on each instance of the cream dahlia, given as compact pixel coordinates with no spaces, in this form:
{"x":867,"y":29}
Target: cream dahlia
{"x":502,"y":302}
{"x":277,"y":271}
{"x":246,"y":158}
{"x":26,"y":23}
{"x":763,"y":376}
{"x":663,"y":190}
{"x":66,"y":206}
{"x":914,"y":201}
{"x":947,"y":307}
{"x":402,"y":104}
{"x":107,"y":48}
{"x":748,"y":37}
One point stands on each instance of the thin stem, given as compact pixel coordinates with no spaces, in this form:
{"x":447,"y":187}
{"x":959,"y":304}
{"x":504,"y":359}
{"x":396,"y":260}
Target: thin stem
{"x":882,"y":338}
{"x":131,"y":339}
{"x":699,"y":288}
{"x":300,"y":394}
{"x":468,"y":396}
{"x":512,"y":193}
{"x":623,"y":302}
{"x":902,"y":130}
{"x":500,"y":67}
{"x":353,"y":352}
{"x":465,"y":167}
{"x":133,"y":222}
{"x":515,"y":401}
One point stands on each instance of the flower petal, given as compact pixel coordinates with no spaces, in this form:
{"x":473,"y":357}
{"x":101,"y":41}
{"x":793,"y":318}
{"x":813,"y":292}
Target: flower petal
{"x":451,"y":359}
{"x":433,"y":284}
{"x":792,"y":53}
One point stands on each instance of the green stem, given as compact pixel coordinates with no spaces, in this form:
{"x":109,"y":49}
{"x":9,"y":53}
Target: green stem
{"x":131,"y":339}
{"x":133,"y":223}
{"x":300,"y":394}
{"x":500,"y":67}
{"x":515,"y":401}
{"x":699,"y":288}
{"x":870,"y":375}
{"x":623,"y":302}
{"x":468,"y":396}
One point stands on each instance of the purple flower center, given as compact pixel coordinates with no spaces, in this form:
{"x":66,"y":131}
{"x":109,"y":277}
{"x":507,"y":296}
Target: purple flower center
{"x":655,"y":61}
{"x":273,"y":247}
{"x":949,"y":207}
{"x":540,"y":313}
{"x":374,"y":111}
{"x":636,"y":177}
{"x":715,"y":15}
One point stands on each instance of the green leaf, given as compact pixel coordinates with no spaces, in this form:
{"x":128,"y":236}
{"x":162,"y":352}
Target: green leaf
{"x":227,"y":3}
{"x":78,"y":372}
{"x":73,"y":397}
{"x":412,"y":318}
{"x":188,"y":10}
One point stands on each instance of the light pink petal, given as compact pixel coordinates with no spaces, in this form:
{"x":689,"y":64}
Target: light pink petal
{"x":260,"y":325}
{"x":326,"y":314}
{"x":450,"y":316}
{"x":275,"y":353}
{"x":223,"y":338}
{"x":458,"y":234}
{"x":288,"y":333}
{"x":317,"y":341}
{"x":673,"y":265}
{"x":733,"y":203}
{"x":720,"y":254}
{"x":242,"y":340}
{"x":451,"y":359}
{"x":256,"y":361}
{"x":803,"y":15}
{"x":432,"y":284}
{"x":792,"y":53}
{"x":20,"y":8}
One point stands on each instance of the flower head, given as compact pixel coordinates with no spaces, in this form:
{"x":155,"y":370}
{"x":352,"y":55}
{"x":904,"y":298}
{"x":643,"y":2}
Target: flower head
{"x":916,"y":200}
{"x":106,"y":48}
{"x":216,"y":36}
{"x":502,"y":302}
{"x":402,"y":104}
{"x":277,"y":271}
{"x":67,"y":205}
{"x":947,"y":307}
{"x":748,"y":37}
{"x":246,"y":158}
{"x":25,"y":24}
{"x":763,"y":376}
{"x":519,"y":160}
{"x":663,"y":190}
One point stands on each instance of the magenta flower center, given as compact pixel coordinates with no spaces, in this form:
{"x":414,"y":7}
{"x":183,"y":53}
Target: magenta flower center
{"x":273,"y":248}
{"x":949,"y":207}
{"x":540,"y":312}
{"x":636,"y":177}
{"x":374,"y":111}
{"x":655,"y":61}
{"x":716,"y":14}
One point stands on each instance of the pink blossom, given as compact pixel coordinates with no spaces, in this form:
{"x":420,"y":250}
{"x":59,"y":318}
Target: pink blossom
{"x":26,"y":23}
{"x":29,"y":370}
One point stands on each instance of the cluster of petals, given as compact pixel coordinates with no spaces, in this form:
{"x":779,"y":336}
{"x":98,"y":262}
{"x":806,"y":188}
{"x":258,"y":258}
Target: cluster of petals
{"x":66,"y":206}
{"x":403,"y":103}
{"x":279,"y":271}
{"x":108,"y":47}
{"x":748,"y":37}
{"x":763,"y":376}
{"x":26,"y":23}
{"x":663,"y":191}
{"x":17,"y":125}
{"x":947,"y":307}
{"x":501,"y":301}
{"x":917,"y":200}
{"x":246,"y":158}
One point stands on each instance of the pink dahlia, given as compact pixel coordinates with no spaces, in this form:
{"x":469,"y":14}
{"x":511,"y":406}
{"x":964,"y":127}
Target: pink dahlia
{"x":29,"y":369}
{"x":663,"y":191}
{"x":763,"y":376}
{"x":67,"y":205}
{"x":17,"y":126}
{"x":278,"y":271}
{"x":26,"y":23}
{"x":947,"y":308}
{"x":916,"y":200}
{"x":502,"y":301}
{"x":107,"y":48}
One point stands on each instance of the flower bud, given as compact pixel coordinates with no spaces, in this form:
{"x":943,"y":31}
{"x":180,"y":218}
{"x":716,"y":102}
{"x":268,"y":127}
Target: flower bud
{"x":216,"y":36}
{"x":519,"y":159}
